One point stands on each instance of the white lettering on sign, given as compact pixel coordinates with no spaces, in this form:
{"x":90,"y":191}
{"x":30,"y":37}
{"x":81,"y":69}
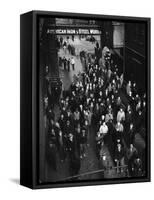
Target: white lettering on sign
{"x":94,"y":31}
{"x":51,"y":31}
{"x":61,"y":31}
{"x":73,"y":31}
{"x":83,"y":31}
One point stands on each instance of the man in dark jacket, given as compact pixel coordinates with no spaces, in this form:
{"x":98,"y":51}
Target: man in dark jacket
{"x":83,"y":142}
{"x":119,"y":157}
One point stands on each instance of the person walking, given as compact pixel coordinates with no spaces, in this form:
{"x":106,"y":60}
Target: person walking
{"x":73,"y":63}
{"x":68,"y":64}
{"x":65,"y":63}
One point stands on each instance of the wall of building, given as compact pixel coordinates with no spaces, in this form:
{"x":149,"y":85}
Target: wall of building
{"x":135,"y":65}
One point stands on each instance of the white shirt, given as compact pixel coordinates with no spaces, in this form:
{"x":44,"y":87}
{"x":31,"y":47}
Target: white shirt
{"x":72,"y":61}
{"x":103,"y":129}
{"x":120,"y":116}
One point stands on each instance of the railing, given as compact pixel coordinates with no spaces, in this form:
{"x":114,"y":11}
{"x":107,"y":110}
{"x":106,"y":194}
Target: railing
{"x":95,"y":172}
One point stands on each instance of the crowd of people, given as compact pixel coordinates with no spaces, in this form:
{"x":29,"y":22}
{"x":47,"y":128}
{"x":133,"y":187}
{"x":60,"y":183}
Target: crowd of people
{"x":66,"y":45}
{"x":98,"y":98}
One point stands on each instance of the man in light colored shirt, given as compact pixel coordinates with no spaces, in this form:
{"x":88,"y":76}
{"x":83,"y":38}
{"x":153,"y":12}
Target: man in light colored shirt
{"x":108,"y":117}
{"x":128,"y":88}
{"x":103,"y":129}
{"x":120,"y":115}
{"x":73,"y":63}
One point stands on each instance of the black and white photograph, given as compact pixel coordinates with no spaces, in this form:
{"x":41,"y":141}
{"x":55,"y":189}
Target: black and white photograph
{"x":76,"y":100}
{"x":92,"y":99}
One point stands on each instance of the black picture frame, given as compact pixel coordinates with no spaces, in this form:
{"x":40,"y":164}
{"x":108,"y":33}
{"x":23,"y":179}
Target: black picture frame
{"x":29,"y":99}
